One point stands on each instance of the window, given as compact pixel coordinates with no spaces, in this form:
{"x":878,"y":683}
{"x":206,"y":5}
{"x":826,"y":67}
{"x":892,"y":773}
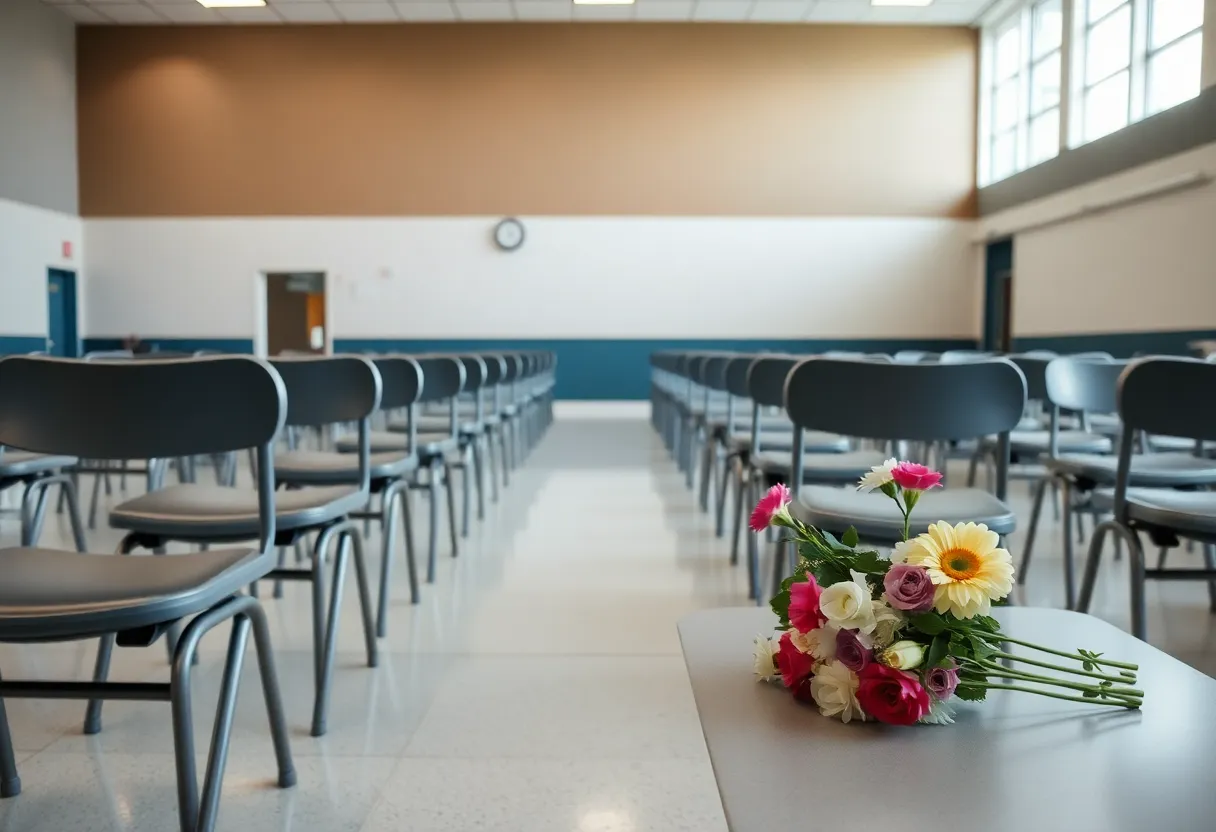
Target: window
{"x":1175,"y":52}
{"x":1046,"y":79}
{"x":1022,"y":62}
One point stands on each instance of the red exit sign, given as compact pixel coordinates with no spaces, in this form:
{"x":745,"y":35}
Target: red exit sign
{"x":67,"y":249}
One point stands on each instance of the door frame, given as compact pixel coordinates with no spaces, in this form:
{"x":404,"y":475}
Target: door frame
{"x":997,"y":324}
{"x":71,"y":307}
{"x":261,"y":327}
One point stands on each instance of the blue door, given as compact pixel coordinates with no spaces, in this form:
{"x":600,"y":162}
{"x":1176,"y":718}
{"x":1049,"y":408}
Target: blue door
{"x":61,"y":313}
{"x":998,"y":295}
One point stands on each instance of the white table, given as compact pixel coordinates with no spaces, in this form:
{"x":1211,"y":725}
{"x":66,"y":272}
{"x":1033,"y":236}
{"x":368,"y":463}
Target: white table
{"x":1015,"y":762}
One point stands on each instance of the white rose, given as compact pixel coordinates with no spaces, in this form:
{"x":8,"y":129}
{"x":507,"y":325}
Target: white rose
{"x":940,"y":713}
{"x":834,"y":689}
{"x":820,"y":642}
{"x":765,"y":661}
{"x":847,"y":605}
{"x":888,"y":621}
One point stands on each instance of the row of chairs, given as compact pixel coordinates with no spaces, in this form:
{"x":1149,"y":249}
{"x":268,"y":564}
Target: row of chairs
{"x":440,"y":414}
{"x":1123,"y":442}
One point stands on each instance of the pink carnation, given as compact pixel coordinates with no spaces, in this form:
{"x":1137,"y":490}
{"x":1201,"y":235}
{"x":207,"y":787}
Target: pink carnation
{"x":805,"y":614}
{"x":793,"y":664}
{"x":912,"y":476}
{"x":771,"y":504}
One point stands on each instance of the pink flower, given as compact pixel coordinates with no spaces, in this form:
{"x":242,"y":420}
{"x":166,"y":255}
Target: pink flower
{"x":912,"y":476}
{"x":792,"y":662}
{"x":805,"y":614}
{"x":771,"y":506}
{"x":890,"y":695}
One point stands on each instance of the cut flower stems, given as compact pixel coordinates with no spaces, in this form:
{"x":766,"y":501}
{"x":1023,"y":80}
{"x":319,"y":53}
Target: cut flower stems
{"x":901,"y":639}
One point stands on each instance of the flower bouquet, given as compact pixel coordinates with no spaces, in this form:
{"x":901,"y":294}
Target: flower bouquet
{"x":900,"y":640}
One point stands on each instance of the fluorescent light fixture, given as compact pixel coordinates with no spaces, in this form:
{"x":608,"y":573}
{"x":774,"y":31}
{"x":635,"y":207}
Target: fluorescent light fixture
{"x":603,"y":2}
{"x":901,"y":2}
{"x":232,"y":4}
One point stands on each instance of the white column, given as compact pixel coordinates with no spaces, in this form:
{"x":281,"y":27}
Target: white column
{"x":1209,"y":45}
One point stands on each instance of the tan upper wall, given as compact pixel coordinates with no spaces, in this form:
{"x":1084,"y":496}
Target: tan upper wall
{"x":548,"y":119}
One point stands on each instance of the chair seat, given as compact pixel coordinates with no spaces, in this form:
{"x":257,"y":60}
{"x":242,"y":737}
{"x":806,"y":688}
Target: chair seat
{"x":332,"y":468}
{"x":1172,"y":443}
{"x":1068,"y":441}
{"x":813,"y":442}
{"x":1147,"y":470}
{"x":429,"y":444}
{"x":24,"y":463}
{"x":434,"y":424}
{"x":839,"y":469}
{"x":212,"y":512}
{"x":48,"y":593}
{"x":877,"y":519}
{"x":1188,"y":512}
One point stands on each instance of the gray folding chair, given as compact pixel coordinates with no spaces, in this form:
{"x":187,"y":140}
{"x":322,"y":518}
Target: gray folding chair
{"x":1089,"y":387}
{"x":320,"y":391}
{"x":443,"y":379}
{"x":37,"y":473}
{"x":128,"y":410}
{"x":1173,"y":397}
{"x":914,"y":402}
{"x":390,"y":474}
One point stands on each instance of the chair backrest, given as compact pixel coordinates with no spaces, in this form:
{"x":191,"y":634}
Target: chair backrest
{"x":766,"y":379}
{"x":401,"y":381}
{"x":442,"y":377}
{"x":326,"y":390}
{"x":1169,"y":396}
{"x":737,"y":369}
{"x":146,"y":410}
{"x":918,"y":402}
{"x":1035,"y":369}
{"x":1085,"y":385}
{"x":107,"y":355}
{"x":962,"y":356}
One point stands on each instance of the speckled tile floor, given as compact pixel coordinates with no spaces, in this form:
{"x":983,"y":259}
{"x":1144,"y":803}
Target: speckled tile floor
{"x":538,"y":686}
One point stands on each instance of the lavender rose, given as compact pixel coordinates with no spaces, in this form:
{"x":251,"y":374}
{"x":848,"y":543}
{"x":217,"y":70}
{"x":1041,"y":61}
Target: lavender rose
{"x":851,"y":651}
{"x":909,"y":588}
{"x":941,"y":682}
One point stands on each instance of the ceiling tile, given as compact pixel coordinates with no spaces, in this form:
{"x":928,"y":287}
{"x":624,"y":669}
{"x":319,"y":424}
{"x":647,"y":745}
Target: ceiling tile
{"x":307,"y":12}
{"x":426,"y":11}
{"x":190,"y":14}
{"x":663,"y":10}
{"x":722,"y":10}
{"x":828,"y":12}
{"x":779,"y":11}
{"x":543,"y":9}
{"x":961,"y":14}
{"x":257,"y":14}
{"x":596,"y":12}
{"x":130,"y":13}
{"x":481,"y":10}
{"x":83,"y":14}
{"x":360,"y":11}
{"x":896,"y":14}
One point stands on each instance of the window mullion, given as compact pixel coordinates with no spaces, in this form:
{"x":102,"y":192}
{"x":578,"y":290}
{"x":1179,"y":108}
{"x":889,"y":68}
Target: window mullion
{"x":1138,"y":81}
{"x":1068,"y":10}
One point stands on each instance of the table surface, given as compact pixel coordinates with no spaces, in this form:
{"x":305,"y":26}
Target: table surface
{"x":1014,"y":762}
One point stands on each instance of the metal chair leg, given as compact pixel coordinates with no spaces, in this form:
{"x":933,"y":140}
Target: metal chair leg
{"x":365,"y":596}
{"x":466,"y":491}
{"x":388,"y":532}
{"x":707,"y":449}
{"x":1092,"y":561}
{"x":10,"y":781}
{"x":1039,"y":492}
{"x":740,"y":488}
{"x":1070,"y":589}
{"x":1135,"y":565}
{"x":101,"y":672}
{"x":492,"y":460}
{"x":724,"y":477}
{"x":450,"y":488}
{"x":328,"y":655}
{"x":1209,"y":560}
{"x":433,"y":543}
{"x":408,"y":531}
{"x":479,"y":479}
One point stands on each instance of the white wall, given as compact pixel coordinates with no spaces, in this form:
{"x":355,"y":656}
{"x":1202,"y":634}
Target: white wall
{"x":31,"y":241}
{"x":573,"y":278}
{"x":1148,"y":266}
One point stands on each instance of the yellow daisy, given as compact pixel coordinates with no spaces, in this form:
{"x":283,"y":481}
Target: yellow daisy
{"x":965,"y":563}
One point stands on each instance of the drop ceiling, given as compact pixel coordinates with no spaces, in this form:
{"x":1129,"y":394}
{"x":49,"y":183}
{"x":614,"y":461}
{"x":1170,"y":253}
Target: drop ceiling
{"x":167,"y":12}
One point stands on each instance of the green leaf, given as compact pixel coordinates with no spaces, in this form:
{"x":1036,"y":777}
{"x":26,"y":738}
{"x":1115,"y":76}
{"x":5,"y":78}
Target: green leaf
{"x":781,"y":606}
{"x":831,"y":540}
{"x":987,"y":622}
{"x":937,"y":650}
{"x":850,"y":538}
{"x":871,"y":563}
{"x":929,"y":623}
{"x":971,"y":693}
{"x":831,"y":573}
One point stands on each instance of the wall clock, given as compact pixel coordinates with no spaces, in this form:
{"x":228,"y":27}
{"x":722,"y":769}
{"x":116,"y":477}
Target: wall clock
{"x":509,"y":234}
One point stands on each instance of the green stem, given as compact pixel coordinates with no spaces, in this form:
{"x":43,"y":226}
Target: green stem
{"x":1004,"y":638}
{"x":1130,"y":704}
{"x":1121,"y":679}
{"x":990,"y":669}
